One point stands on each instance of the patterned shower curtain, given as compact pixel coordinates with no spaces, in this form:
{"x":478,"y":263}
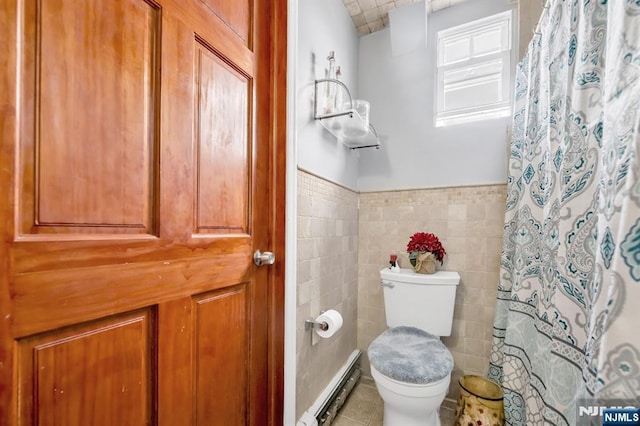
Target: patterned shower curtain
{"x":567,"y":327}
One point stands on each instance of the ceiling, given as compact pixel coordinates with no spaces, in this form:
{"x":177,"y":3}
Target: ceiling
{"x":372,"y":15}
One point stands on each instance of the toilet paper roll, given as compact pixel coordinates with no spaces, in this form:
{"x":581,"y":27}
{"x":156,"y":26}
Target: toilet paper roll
{"x":333,"y":320}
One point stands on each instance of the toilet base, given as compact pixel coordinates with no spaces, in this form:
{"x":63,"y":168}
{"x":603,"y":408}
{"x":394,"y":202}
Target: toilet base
{"x":393,"y":417}
{"x":410,"y":405}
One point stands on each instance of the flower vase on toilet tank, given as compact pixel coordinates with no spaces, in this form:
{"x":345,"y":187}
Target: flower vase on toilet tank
{"x":424,"y":250}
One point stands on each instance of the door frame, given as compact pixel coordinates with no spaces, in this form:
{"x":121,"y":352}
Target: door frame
{"x":290,"y":327}
{"x":280,"y":165}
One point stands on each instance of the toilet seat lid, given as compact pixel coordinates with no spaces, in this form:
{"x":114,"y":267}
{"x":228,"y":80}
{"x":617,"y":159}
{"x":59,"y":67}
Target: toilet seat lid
{"x":410,"y":355}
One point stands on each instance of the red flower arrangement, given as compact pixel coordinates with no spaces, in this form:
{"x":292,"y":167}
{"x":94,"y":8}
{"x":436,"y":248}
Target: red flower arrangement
{"x":422,"y":241}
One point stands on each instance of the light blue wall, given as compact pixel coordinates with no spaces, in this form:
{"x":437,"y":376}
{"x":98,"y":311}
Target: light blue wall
{"x":416,"y":154}
{"x":324,"y":25}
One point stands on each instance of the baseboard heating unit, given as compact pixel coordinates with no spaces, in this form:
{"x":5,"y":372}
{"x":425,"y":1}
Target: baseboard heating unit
{"x":326,"y":407}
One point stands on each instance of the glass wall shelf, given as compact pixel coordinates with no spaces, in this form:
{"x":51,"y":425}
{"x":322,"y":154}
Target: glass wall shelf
{"x":347,"y":120}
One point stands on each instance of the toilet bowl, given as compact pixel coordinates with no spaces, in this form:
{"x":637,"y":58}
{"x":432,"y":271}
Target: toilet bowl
{"x":411,"y":367}
{"x":410,"y":405}
{"x":412,"y":372}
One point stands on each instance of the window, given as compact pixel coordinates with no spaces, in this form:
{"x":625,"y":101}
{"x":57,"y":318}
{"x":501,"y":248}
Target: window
{"x":474,"y":71}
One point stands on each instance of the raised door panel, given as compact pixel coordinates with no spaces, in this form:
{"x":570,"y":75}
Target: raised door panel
{"x":223,"y":134}
{"x":92,"y":170}
{"x":93,"y":374}
{"x":222,"y":326}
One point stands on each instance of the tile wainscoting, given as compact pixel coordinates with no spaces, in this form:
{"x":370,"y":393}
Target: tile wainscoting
{"x":345,"y":238}
{"x":327,"y":279}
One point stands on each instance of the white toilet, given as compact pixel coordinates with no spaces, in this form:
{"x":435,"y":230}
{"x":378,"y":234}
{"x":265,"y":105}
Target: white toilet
{"x":409,"y":363}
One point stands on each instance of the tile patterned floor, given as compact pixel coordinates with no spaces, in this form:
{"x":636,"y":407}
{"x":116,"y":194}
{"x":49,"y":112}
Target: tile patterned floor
{"x":364,"y":407}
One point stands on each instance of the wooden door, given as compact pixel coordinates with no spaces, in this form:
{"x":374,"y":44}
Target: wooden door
{"x":142,"y":161}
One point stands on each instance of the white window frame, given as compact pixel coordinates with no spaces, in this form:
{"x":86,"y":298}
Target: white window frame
{"x":466,"y":70}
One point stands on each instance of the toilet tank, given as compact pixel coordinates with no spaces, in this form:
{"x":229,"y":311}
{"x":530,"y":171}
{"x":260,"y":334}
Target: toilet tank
{"x":425,"y":301}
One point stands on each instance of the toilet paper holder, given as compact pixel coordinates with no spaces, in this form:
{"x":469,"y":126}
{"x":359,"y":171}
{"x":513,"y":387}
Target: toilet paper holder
{"x":311,"y":324}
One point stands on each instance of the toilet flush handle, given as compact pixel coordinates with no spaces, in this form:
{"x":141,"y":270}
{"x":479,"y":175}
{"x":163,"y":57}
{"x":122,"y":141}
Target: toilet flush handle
{"x":387,"y":284}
